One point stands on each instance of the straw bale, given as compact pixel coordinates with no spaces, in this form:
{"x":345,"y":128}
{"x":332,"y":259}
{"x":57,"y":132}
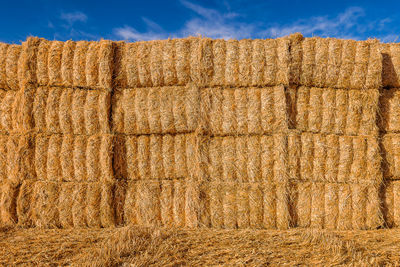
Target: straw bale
{"x":166,"y":109}
{"x":79,"y":63}
{"x":357,"y":168}
{"x":55,"y":54}
{"x":178,"y":205}
{"x":240,"y":110}
{"x":142,"y":116}
{"x":280,"y":157}
{"x":181,"y":160}
{"x":391,"y":145}
{"x":390,"y":65}
{"x":106,"y":158}
{"x":345,"y":207}
{"x":269,"y":206}
{"x":65,"y":115}
{"x":321,"y":61}
{"x":275,"y":59}
{"x":131,"y":62}
{"x":241,"y":158}
{"x":54,"y":170}
{"x":156,"y":157}
{"x":315,"y":106}
{"x":243,"y":205}
{"x":105,"y":67}
{"x":103,"y":111}
{"x":66,"y":157}
{"x":3,"y":71}
{"x":41,"y":155}
{"x":245,"y":61}
{"x":148,"y":203}
{"x":309,"y":61}
{"x":6,"y":108}
{"x":168,"y":62}
{"x":307,"y":157}
{"x":268,"y":103}
{"x":331,"y":206}
{"x":143,"y":155}
{"x":217,"y":110}
{"x":388,"y":204}
{"x":334,"y":62}
{"x":345,"y":158}
{"x":130,"y":205}
{"x":65,"y":202}
{"x":216,"y":156}
{"x":256,"y":206}
{"x":119,"y":64}
{"x":107,"y":214}
{"x":143,"y":59}
{"x":392,"y":198}
{"x":192,"y":107}
{"x":232,"y":63}
{"x":294,"y":155}
{"x":216,"y":205}
{"x":353,"y":112}
{"x":78,"y":111}
{"x":11,"y":66}
{"x":79,"y":199}
{"x":254,"y":110}
{"x":374,"y":216}
{"x":91,"y":68}
{"x":390,"y":114}
{"x":131,"y":162}
{"x":119,"y":199}
{"x":229,"y":205}
{"x":257,"y":62}
{"x":296,"y":57}
{"x":202,"y":157}
{"x":332,"y":158}
{"x":8,"y":196}
{"x":192,"y":156}
{"x":3,"y":157}
{"x":13,"y":160}
{"x":304,"y":204}
{"x":52,"y":110}
{"x":302,"y":108}
{"x":282,"y":206}
{"x":317,"y":205}
{"x":219,"y":52}
{"x":79,"y":158}
{"x":42,"y":71}
{"x":124,"y":118}
{"x":20,"y":158}
{"x":93,"y":198}
{"x":254,"y":158}
{"x":24,"y":204}
{"x":92,"y":158}
{"x":206,"y":61}
{"x":319,"y":154}
{"x":375,"y":71}
{"x":16,"y":114}
{"x":328,"y":110}
{"x":153,"y":109}
{"x":166,"y":203}
{"x":45,"y":197}
{"x":192,"y":204}
{"x":347,"y":63}
{"x":156,"y":60}
{"x":91,"y":118}
{"x":360,"y":69}
{"x":67,"y":63}
{"x":228,"y":159}
{"x":26,"y":70}
{"x":359,"y":201}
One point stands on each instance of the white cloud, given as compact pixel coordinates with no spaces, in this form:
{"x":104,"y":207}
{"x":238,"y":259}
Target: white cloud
{"x":129,"y":33}
{"x":73,"y":17}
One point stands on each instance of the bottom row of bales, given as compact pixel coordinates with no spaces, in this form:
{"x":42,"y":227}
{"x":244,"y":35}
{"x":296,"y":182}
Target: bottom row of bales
{"x":180,"y":203}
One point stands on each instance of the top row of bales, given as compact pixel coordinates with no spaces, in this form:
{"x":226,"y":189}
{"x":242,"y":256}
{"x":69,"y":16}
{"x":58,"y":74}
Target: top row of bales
{"x":291,"y":60}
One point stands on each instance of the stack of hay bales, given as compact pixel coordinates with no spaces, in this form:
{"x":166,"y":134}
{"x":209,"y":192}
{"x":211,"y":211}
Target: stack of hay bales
{"x":196,"y":132}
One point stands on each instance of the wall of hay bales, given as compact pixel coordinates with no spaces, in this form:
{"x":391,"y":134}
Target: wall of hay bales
{"x":276,"y":133}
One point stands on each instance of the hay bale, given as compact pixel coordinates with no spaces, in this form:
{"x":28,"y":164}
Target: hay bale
{"x":78,"y":111}
{"x":79,"y":64}
{"x":254,"y":110}
{"x":296,"y":57}
{"x":156,"y":158}
{"x":26,"y":70}
{"x":55,"y":54}
{"x":65,"y":202}
{"x":8,"y":202}
{"x":307,"y":157}
{"x":243,"y":205}
{"x":6,"y":108}
{"x":153,"y":109}
{"x":245,"y":61}
{"x":254,"y":159}
{"x":269,"y":206}
{"x":142,"y":116}
{"x":92,"y":158}
{"x":67,"y":63}
{"x":54,"y":170}
{"x":309,"y":61}
{"x":107,"y":214}
{"x":156,"y":63}
{"x":143,"y":156}
{"x":167,"y":154}
{"x":66,"y":158}
{"x":91,"y":110}
{"x":374,"y":216}
{"x":280,"y":156}
{"x":143,"y":60}
{"x":315,"y":106}
{"x":232,"y":63}
{"x":257,"y":62}
{"x":93,"y":197}
{"x":104,"y":109}
{"x":168,"y":62}
{"x":106,"y":158}
{"x":219,"y":52}
{"x":282,"y":206}
{"x":228,"y":159}
{"x":24,"y":204}
{"x":241,"y":158}
{"x":345,"y":207}
{"x":360,"y":69}
{"x":354,"y":109}
{"x":20,"y":158}
{"x":148,"y":203}
{"x":283,"y":60}
{"x":119,"y":202}
{"x":318,"y":205}
{"x":42,"y":71}
{"x":192,"y":204}
{"x":332,"y":158}
{"x":215,"y":156}
{"x":256,"y":206}
{"x":126,"y":122}
{"x":374,"y":160}
{"x":182,"y":50}
{"x":132,"y":158}
{"x":228,"y":110}
{"x":79,"y":199}
{"x":345,"y":159}
{"x":106,"y":57}
{"x":192,"y":107}
{"x":179,"y":109}
{"x":328,"y":110}
{"x":302,"y":108}
{"x":304,"y":204}
{"x":180,"y":156}
{"x":347,"y":63}
{"x":331,"y":206}
{"x":229,"y":205}
{"x":3,"y":71}
{"x":65,"y":110}
{"x":92,"y":64}
{"x":166,"y":110}
{"x":359,"y":201}
{"x":216,"y":205}
{"x":45,"y":198}
{"x":166,"y":203}
{"x":131,"y":64}
{"x":40,"y":109}
{"x":130,"y":205}
{"x":321,"y":61}
{"x":319,"y":155}
{"x":52,"y":110}
{"x":13,"y":55}
{"x":357,"y":168}
{"x":119,"y":66}
{"x":216,"y":110}
{"x":241,"y":113}
{"x":41,"y":154}
{"x":273,"y":51}
{"x":3,"y":157}
{"x":79,"y":158}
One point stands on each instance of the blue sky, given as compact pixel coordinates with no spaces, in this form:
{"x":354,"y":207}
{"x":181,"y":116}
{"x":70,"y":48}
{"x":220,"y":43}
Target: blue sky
{"x":147,"y":20}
